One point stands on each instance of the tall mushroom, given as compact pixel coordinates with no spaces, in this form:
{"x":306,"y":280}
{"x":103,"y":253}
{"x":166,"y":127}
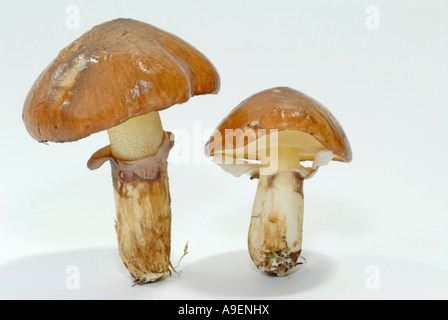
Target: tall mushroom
{"x":116,"y":77}
{"x":267,"y":136}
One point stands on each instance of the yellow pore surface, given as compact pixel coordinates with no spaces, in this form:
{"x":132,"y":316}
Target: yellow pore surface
{"x":307,"y":146}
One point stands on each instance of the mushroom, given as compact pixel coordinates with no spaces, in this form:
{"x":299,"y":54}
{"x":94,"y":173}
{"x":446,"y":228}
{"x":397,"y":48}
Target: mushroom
{"x":267,"y":136}
{"x":117,"y":77}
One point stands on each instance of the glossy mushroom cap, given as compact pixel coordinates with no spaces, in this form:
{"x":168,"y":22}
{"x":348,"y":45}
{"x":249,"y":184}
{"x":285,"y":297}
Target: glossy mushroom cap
{"x":301,"y":122}
{"x":116,"y":71}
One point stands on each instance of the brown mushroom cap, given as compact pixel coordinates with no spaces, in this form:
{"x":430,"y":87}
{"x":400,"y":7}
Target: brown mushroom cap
{"x":301,"y":121}
{"x":116,"y":71}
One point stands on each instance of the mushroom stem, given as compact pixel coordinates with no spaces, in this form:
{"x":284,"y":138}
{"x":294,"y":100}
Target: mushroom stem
{"x":137,"y":138}
{"x":275,"y":232}
{"x":143,"y":208}
{"x":143,"y":225}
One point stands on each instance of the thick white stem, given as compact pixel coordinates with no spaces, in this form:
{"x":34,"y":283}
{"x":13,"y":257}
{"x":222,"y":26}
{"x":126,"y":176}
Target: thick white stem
{"x":275,"y":233}
{"x":143,"y":205}
{"x":143,"y":225}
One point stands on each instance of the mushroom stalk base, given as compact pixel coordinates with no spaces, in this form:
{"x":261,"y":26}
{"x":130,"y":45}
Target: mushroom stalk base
{"x":142,"y":201}
{"x":275,"y":233}
{"x":143,"y":224}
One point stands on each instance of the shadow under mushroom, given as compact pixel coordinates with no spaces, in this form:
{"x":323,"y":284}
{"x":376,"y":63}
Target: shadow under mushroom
{"x":233,"y":274}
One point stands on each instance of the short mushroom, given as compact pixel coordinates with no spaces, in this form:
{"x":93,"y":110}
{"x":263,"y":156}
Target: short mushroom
{"x":267,"y":136}
{"x":116,"y":77}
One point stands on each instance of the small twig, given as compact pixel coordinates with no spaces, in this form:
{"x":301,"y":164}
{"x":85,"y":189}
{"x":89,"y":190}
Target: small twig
{"x":178,"y":263}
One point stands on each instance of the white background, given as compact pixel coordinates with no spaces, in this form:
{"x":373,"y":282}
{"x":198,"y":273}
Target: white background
{"x":387,"y":211}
